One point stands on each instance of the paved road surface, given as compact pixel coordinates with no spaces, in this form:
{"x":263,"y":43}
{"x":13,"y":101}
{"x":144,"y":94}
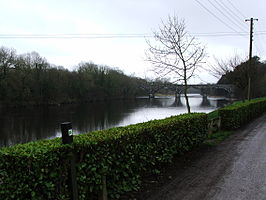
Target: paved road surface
{"x":234,"y":170}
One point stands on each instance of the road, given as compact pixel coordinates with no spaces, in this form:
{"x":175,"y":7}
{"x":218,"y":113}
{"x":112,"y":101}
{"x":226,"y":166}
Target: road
{"x":235,"y":169}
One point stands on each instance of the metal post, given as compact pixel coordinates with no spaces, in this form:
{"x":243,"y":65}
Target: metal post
{"x":67,"y":138}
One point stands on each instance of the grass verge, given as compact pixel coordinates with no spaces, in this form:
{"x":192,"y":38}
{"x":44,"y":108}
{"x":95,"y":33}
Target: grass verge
{"x":216,"y":138}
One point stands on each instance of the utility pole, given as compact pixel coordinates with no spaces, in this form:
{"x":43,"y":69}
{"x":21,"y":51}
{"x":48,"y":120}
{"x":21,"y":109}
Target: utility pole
{"x":250,"y":53}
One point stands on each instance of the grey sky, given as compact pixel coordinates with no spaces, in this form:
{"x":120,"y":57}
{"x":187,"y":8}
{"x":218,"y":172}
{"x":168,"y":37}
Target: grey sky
{"x":127,"y":17}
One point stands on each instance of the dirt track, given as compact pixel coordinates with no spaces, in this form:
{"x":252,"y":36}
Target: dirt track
{"x":234,"y":169}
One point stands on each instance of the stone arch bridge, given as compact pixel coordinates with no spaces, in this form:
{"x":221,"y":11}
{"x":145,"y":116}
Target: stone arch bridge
{"x":202,"y":89}
{"x":206,"y":89}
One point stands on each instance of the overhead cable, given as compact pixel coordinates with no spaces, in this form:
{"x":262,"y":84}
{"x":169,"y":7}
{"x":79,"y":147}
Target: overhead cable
{"x":228,"y":26}
{"x":229,"y":19}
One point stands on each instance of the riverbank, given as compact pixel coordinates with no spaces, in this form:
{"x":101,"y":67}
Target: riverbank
{"x":30,"y":123}
{"x":70,"y":102}
{"x":122,"y":156}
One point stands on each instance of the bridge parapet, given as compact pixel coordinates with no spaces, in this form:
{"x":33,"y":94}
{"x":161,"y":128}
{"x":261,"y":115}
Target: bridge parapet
{"x":203,"y":89}
{"x":206,"y":88}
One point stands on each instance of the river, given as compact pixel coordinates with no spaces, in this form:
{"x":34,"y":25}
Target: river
{"x":21,"y":125}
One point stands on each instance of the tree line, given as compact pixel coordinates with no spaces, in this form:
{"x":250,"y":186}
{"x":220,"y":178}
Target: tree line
{"x":31,"y":79}
{"x":236,"y":71}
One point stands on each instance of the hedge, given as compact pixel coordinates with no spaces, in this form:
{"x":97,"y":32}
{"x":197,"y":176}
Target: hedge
{"x":240,"y":113}
{"x":39,"y":170}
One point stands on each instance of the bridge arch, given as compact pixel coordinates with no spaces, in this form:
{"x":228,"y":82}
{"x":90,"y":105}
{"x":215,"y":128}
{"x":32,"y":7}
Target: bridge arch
{"x":205,"y":89}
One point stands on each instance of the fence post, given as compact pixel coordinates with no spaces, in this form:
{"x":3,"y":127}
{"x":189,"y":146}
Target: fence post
{"x":67,"y":138}
{"x":219,"y":123}
{"x":210,"y":126}
{"x":104,"y":188}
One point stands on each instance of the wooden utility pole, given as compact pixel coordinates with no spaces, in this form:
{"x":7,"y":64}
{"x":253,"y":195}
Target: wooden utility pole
{"x":250,"y":53}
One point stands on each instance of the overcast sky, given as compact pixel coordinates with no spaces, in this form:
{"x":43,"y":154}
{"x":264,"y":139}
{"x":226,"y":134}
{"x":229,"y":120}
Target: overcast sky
{"x":208,"y":20}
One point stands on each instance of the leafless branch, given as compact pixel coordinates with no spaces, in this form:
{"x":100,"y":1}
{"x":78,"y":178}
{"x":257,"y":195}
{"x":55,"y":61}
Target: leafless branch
{"x":224,"y":66}
{"x":174,"y":52}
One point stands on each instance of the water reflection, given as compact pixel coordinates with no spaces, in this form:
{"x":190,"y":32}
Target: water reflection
{"x":20,"y":125}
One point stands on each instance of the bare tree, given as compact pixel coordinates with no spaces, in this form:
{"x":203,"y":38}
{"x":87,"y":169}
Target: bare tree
{"x":175,"y":53}
{"x":224,"y":66}
{"x":7,"y":59}
{"x":236,"y":70}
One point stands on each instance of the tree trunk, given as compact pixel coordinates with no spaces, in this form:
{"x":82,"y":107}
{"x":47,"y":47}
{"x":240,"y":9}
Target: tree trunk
{"x":186,"y":87}
{"x":186,"y":97}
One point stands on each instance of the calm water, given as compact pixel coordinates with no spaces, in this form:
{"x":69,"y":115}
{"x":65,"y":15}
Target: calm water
{"x":28,"y":124}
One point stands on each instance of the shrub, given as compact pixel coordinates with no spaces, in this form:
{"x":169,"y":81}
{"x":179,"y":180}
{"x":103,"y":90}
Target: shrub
{"x":39,"y":170}
{"x":213,"y":115}
{"x":238,"y":114}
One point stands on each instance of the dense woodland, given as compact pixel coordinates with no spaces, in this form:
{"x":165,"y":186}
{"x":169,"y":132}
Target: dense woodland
{"x":239,"y":77}
{"x":30,"y":79}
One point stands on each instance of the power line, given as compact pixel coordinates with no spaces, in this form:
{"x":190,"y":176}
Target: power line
{"x":230,"y":12}
{"x":226,"y":16}
{"x":71,"y":36}
{"x":216,"y":16}
{"x":238,"y":11}
{"x":103,"y":36}
{"x":232,"y":34}
{"x":259,"y":44}
{"x":79,"y":34}
{"x":261,"y":36}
